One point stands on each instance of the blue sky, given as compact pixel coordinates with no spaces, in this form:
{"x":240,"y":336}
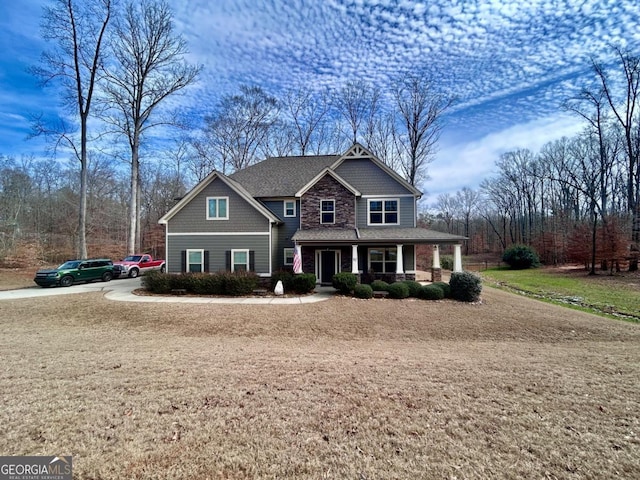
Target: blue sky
{"x":509,"y":63}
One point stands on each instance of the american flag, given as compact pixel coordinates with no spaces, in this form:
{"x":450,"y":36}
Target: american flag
{"x":297,"y":260}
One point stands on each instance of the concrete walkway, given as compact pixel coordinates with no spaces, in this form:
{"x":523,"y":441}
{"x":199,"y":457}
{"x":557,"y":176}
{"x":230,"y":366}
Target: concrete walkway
{"x":121,"y":290}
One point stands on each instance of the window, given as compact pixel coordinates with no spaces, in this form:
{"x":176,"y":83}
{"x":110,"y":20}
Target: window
{"x":382,"y":260}
{"x":217,"y":208}
{"x":289,"y":208}
{"x":327,"y":211}
{"x":239,"y":260}
{"x":288,"y":256}
{"x":195,"y":261}
{"x":383,"y":212}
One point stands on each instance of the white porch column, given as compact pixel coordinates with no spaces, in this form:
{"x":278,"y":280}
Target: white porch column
{"x":399,"y":261}
{"x":457,"y":258}
{"x":436,"y":257}
{"x":354,"y":259}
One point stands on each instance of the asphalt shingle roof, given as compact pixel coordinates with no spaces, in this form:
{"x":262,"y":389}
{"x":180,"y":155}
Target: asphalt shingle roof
{"x":371,"y":235}
{"x":282,"y":176}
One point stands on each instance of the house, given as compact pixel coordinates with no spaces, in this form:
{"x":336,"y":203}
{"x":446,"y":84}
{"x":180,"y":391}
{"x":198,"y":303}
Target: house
{"x":337,"y":213}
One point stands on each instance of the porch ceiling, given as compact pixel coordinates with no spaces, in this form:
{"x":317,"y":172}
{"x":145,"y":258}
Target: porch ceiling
{"x":374,"y":235}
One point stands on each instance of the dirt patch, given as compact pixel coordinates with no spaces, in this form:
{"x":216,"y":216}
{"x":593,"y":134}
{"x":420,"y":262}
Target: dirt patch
{"x":346,"y":388}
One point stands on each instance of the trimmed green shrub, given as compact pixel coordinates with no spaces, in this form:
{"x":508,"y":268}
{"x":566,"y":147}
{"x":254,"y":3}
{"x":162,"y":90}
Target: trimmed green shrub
{"x":285,"y":276}
{"x":303,"y":283}
{"x":157,"y":282}
{"x":204,"y":283}
{"x":446,"y":262}
{"x":446,"y":288}
{"x":379,"y":286}
{"x":398,"y":290}
{"x":239,"y":283}
{"x":431,"y":292}
{"x":519,"y":257}
{"x":362,"y":291}
{"x":344,"y":282}
{"x":465,"y":286}
{"x":414,"y":287}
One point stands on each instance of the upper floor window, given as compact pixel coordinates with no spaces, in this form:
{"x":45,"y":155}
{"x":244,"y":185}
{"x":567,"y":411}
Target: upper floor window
{"x":327,"y":211}
{"x":217,"y":208}
{"x":383,"y":211}
{"x":289,"y":208}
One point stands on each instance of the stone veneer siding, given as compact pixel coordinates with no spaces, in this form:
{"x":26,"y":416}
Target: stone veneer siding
{"x":328,"y":188}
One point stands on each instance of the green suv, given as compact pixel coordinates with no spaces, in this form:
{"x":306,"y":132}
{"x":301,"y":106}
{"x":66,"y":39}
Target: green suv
{"x":74,"y":271}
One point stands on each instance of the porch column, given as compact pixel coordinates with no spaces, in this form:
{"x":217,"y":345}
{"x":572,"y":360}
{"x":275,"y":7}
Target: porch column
{"x":436,"y":257}
{"x":399,"y":261}
{"x":354,"y":259}
{"x":457,"y":258}
{"x":436,"y":269}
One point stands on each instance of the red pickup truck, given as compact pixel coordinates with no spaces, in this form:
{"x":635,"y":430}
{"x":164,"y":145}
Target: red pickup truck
{"x":137,"y":264}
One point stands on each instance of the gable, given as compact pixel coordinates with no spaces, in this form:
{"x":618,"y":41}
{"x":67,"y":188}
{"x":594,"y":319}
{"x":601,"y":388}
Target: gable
{"x":369,"y":178}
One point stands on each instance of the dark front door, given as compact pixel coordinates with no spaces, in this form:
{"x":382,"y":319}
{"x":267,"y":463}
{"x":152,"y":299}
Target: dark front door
{"x":327,"y":265}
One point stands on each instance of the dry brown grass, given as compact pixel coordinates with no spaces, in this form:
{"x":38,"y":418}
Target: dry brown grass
{"x":377,"y":389}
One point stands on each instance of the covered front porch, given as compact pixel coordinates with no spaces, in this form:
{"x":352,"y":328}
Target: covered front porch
{"x":387,"y":254}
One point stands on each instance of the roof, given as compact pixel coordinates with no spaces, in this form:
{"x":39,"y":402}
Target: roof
{"x":374,"y":235}
{"x":282,"y":176}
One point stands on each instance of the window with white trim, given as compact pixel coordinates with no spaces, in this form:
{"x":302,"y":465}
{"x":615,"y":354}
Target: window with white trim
{"x":289,"y":208}
{"x":239,"y":260}
{"x":288,"y":256}
{"x":383,"y":260}
{"x":217,"y":208}
{"x":195,"y":261}
{"x":383,"y":211}
{"x":327,"y":211}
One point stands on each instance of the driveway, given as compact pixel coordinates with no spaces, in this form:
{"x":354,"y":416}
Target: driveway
{"x":119,"y":286}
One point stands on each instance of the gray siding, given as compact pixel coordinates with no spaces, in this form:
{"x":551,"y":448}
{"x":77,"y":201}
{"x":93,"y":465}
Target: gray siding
{"x":407,"y":212}
{"x":282,"y":233}
{"x":369,"y":179}
{"x":243,"y":217}
{"x":217,"y":245}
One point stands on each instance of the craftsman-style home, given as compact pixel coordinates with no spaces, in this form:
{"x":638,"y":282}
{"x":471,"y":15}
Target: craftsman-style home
{"x":322,"y":213}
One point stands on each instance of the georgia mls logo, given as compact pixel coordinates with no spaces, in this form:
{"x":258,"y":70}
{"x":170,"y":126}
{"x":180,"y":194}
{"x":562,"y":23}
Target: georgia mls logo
{"x":36,"y":468}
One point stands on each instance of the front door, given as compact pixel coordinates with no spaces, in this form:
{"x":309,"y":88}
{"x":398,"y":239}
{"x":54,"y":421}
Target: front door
{"x":328,"y":265}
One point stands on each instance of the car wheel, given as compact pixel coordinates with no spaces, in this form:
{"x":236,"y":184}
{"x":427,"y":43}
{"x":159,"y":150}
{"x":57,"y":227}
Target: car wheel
{"x":107,"y":276}
{"x":133,"y":273}
{"x":66,"y":281}
{"x":163,"y":269}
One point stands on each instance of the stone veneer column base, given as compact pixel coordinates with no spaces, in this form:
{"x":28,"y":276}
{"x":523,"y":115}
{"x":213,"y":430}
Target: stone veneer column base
{"x":436,"y":274}
{"x":400,"y":277}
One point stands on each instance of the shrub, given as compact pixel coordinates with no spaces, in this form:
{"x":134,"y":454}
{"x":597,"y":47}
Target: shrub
{"x":285,"y":276}
{"x":239,"y":283}
{"x":157,"y":282}
{"x":446,"y":262}
{"x":204,"y":283}
{"x":398,"y":290}
{"x":303,"y":283}
{"x":363,"y":291}
{"x":431,"y":292}
{"x":344,"y":282}
{"x":520,"y":257}
{"x":414,"y":287}
{"x":379,"y":286}
{"x":446,"y":288}
{"x":465,"y":286}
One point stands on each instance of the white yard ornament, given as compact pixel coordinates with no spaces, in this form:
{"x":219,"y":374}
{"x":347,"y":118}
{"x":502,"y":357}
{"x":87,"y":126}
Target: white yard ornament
{"x":279,"y":290}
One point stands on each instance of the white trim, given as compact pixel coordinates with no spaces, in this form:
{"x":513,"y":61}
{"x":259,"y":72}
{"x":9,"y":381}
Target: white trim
{"x":214,"y":234}
{"x":187,"y":263}
{"x":404,"y":195}
{"x":332,"y":200}
{"x":240,"y":250}
{"x":322,"y":174}
{"x":383,"y":200}
{"x":217,"y":199}
{"x":284,"y":208}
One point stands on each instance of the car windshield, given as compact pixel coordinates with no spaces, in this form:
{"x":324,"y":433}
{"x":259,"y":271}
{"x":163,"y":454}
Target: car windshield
{"x":68,"y":265}
{"x":133,"y":258}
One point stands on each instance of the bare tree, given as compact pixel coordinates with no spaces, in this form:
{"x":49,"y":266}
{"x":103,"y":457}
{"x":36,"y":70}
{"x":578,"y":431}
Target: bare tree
{"x":77,"y":30}
{"x":467,"y":201}
{"x":358,"y":102}
{"x":148,"y":68}
{"x":306,"y":112}
{"x":239,"y":128}
{"x":624,"y":105}
{"x":420,"y":108}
